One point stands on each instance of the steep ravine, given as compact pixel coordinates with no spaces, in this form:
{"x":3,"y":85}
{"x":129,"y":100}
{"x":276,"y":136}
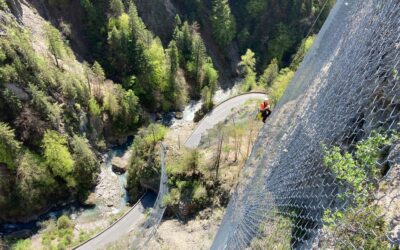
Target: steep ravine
{"x":159,"y":16}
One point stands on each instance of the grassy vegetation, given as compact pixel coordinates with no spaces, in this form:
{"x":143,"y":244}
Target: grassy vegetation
{"x":22,"y":245}
{"x":275,"y":233}
{"x":187,"y":181}
{"x":55,"y":235}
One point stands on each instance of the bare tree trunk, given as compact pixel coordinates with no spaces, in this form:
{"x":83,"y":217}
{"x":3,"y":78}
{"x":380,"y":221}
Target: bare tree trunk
{"x":88,"y":82}
{"x":53,"y":51}
{"x":218,"y":156}
{"x":249,"y":139}
{"x":236,"y":139}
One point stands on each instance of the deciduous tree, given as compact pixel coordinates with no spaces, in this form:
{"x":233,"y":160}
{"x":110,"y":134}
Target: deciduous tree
{"x":57,"y":156}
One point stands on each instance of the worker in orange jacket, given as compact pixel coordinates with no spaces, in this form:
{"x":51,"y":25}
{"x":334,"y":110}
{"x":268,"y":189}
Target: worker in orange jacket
{"x":265,"y":109}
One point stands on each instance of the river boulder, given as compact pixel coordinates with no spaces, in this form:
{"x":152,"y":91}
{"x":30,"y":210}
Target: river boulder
{"x":91,"y":200}
{"x":120,"y":164}
{"x":179,"y":115}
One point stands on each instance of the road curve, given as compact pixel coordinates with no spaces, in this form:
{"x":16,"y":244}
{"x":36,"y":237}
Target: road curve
{"x":218,"y":114}
{"x":121,"y":227}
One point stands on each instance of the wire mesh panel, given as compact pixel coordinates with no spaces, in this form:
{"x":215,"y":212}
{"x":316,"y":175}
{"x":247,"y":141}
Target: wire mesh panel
{"x":325,"y":170}
{"x":149,"y":228}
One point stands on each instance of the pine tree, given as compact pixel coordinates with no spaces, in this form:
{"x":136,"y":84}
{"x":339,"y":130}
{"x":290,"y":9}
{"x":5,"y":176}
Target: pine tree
{"x":183,"y":38}
{"x":223,"y":22}
{"x":86,"y":165}
{"x":116,"y":8}
{"x":9,"y":147}
{"x":138,"y":28}
{"x":177,"y":88}
{"x":98,"y":72}
{"x":55,"y":43}
{"x":198,"y":57}
{"x":177,"y":21}
{"x":173,"y":56}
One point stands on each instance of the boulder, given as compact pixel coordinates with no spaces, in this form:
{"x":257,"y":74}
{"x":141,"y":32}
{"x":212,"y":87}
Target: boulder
{"x":91,"y":200}
{"x":179,"y":115}
{"x":159,"y":116}
{"x":119,"y":166}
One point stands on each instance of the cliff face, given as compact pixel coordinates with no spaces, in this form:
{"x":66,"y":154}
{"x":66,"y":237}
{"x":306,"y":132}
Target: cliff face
{"x":159,"y":16}
{"x":67,"y":17}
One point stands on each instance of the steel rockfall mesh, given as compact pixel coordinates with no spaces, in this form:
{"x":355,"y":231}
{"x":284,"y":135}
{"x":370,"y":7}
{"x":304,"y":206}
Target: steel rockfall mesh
{"x":325,"y":170}
{"x":148,"y":229}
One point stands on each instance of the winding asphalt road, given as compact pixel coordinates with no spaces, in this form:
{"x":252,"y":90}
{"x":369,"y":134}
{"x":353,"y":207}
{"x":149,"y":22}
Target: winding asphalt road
{"x":218,"y":114}
{"x":121,"y":227}
{"x":135,"y":215}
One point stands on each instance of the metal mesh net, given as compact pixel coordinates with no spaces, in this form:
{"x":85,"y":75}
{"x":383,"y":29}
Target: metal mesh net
{"x":325,"y":170}
{"x":148,"y":229}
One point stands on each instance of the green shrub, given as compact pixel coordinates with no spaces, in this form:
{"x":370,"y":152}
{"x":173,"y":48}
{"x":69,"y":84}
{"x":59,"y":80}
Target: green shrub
{"x":64,"y":223}
{"x":187,"y":181}
{"x":363,"y":226}
{"x":358,"y":171}
{"x":172,"y":198}
{"x":269,"y":74}
{"x":302,"y":51}
{"x":199,"y":193}
{"x":22,"y":245}
{"x":94,"y":107}
{"x":362,"y":222}
{"x":346,"y":168}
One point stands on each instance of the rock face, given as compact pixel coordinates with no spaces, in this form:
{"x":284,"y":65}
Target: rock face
{"x":159,"y":17}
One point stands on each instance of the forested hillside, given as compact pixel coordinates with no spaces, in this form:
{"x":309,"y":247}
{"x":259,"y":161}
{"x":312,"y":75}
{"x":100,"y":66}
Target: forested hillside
{"x":79,"y":76}
{"x":272,"y":29}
